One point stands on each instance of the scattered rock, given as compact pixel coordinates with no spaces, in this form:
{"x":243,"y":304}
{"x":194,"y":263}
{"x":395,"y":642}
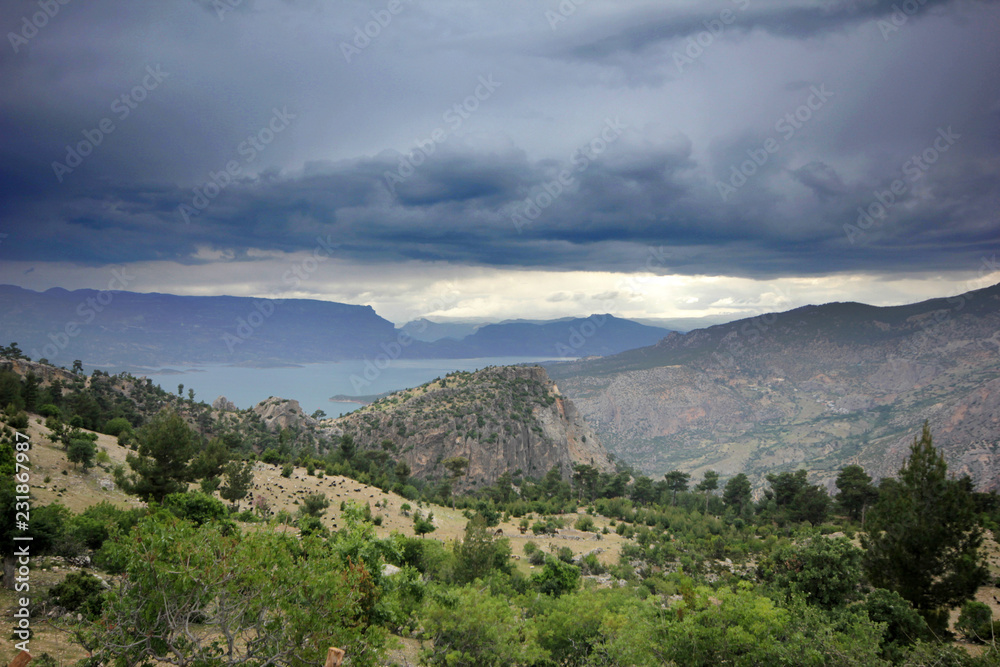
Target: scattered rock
{"x":224,"y":404}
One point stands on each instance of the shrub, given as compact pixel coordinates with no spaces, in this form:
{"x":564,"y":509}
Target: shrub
{"x":49,"y":525}
{"x":976,"y":622}
{"x":117,"y":426}
{"x":196,"y":507}
{"x":286,"y":470}
{"x":271,"y":456}
{"x":19,"y":421}
{"x":590,"y":565}
{"x":827,"y":572}
{"x":585,"y":523}
{"x":49,"y":410}
{"x":470,"y":628}
{"x":903,"y":625}
{"x":92,"y":526}
{"x":80,"y":592}
{"x":565,"y":554}
{"x":315,"y":504}
{"x":556,"y":578}
{"x":312,"y":525}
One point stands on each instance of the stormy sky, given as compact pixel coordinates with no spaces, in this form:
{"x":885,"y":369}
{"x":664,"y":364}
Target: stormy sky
{"x":651,"y":159}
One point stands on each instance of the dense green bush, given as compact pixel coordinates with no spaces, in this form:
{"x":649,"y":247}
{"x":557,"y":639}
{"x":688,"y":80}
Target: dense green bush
{"x":282,"y":599}
{"x":902,"y":625}
{"x":824,"y":571}
{"x":556,"y":577}
{"x":80,"y":592}
{"x":468,"y":628}
{"x":117,"y":426}
{"x":92,"y":526}
{"x":976,"y":622}
{"x":196,"y":507}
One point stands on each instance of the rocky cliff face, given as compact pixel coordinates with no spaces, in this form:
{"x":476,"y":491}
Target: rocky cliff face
{"x":816,"y":387}
{"x":279,"y":413}
{"x":501,"y":419}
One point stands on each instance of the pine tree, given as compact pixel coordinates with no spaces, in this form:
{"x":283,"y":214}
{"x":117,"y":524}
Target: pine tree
{"x":856,"y":492}
{"x":239,"y":479}
{"x":737,"y":493}
{"x":676,"y":481}
{"x":922,"y":537}
{"x":161,"y":466}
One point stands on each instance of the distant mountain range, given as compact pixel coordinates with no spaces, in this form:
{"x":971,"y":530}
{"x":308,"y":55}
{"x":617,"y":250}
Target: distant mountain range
{"x":815,"y":387}
{"x":134,"y":330}
{"x":429,"y":331}
{"x":567,"y":338}
{"x":116,"y":329}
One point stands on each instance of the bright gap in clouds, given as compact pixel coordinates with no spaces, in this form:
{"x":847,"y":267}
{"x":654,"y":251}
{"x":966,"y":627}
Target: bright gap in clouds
{"x":404,"y":291}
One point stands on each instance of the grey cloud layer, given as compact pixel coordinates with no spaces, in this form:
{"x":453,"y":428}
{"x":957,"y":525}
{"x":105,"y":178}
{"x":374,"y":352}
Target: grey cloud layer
{"x":324,"y":174}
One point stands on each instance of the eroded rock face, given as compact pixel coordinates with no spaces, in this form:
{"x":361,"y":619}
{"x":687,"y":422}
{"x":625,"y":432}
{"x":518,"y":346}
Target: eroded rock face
{"x":223,"y":404}
{"x":817,"y":387}
{"x":280,"y":413}
{"x":501,"y":419}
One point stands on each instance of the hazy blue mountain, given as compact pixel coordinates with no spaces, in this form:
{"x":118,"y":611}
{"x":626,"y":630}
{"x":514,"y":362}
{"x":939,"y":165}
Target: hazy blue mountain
{"x":129,"y":329}
{"x":596,"y":335}
{"x":132,"y":329}
{"x":425,"y":330}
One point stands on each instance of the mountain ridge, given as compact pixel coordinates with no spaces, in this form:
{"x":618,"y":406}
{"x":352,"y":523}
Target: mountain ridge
{"x":814,"y":387}
{"x":119,"y":329}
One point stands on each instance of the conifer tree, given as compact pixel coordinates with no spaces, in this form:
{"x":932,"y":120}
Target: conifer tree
{"x":922,"y":536}
{"x":161,"y":466}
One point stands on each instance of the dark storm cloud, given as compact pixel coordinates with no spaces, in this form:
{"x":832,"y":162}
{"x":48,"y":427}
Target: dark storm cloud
{"x":161,"y":184}
{"x":650,"y":27}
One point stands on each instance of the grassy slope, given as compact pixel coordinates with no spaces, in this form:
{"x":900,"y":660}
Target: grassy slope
{"x":79,"y":490}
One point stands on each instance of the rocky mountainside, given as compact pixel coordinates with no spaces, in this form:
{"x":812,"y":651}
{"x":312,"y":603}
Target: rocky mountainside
{"x":501,"y":419}
{"x":816,"y":387}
